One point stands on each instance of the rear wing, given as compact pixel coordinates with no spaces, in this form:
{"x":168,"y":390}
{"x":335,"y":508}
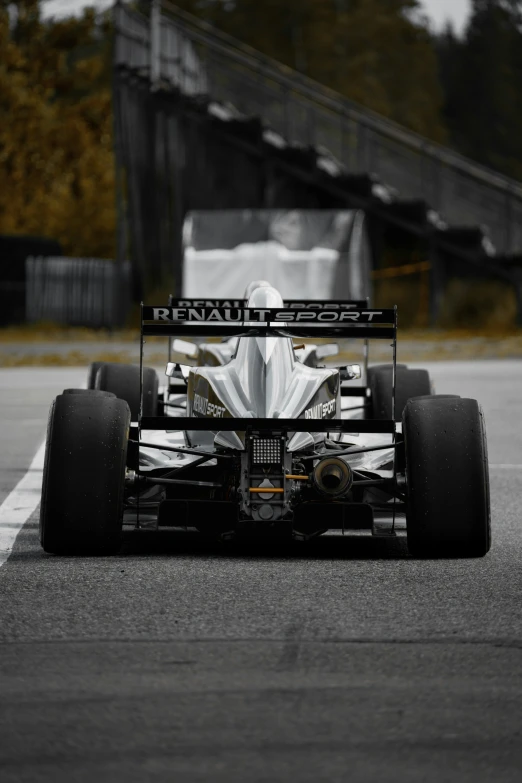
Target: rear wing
{"x":187,"y":321}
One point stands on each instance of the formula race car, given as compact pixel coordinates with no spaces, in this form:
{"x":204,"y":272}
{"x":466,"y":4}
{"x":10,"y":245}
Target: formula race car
{"x":259,"y":446}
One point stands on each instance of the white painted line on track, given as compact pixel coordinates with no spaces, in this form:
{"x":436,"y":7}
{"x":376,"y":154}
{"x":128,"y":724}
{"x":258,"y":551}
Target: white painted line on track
{"x":506,"y":466}
{"x":20,"y":504}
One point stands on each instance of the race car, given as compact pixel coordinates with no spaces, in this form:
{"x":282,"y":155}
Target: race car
{"x":261,"y":447}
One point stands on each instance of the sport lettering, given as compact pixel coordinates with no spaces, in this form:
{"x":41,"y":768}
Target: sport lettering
{"x":329,"y":304}
{"x":250,"y":315}
{"x":205,"y":408}
{"x":322,"y":410}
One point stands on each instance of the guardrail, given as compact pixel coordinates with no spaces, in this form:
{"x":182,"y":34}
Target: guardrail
{"x":199,"y":60}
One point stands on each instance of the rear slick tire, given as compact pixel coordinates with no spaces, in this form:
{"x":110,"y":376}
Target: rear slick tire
{"x":84,"y":473}
{"x":408,"y":383}
{"x":123,"y":380}
{"x":447,"y":478}
{"x":89,"y":391}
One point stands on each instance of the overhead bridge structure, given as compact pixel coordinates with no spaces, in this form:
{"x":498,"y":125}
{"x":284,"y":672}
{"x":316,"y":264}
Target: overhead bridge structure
{"x":205,"y":122}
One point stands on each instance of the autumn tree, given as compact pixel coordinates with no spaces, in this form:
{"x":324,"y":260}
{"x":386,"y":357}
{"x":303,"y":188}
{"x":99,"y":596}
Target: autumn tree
{"x":56,"y":159}
{"x":482,"y":78}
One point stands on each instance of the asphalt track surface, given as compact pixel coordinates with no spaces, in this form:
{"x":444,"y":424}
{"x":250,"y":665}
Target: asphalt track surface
{"x":341,"y":660}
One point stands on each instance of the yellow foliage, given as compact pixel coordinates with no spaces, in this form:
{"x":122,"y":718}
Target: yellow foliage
{"x":56,"y":157}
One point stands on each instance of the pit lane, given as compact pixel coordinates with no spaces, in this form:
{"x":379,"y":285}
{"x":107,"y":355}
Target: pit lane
{"x":342,"y":659}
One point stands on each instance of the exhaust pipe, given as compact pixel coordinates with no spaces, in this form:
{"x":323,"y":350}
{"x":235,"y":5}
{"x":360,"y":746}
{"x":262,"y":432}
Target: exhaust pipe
{"x":332,"y":477}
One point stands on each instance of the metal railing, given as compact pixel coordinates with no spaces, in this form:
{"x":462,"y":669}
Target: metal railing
{"x":77,"y":291}
{"x":199,"y":60}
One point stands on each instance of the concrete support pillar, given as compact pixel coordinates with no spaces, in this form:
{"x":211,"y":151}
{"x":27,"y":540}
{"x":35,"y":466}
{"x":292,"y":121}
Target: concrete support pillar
{"x":155,"y":43}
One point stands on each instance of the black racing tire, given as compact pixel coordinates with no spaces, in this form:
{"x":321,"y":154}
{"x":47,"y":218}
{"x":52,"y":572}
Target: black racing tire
{"x":387,"y":367}
{"x":447,"y":478}
{"x":124,"y":381}
{"x":89,"y":391}
{"x":409,"y":383}
{"x":84,"y":474}
{"x":400,"y":464}
{"x":93,"y":372}
{"x":439,"y":396}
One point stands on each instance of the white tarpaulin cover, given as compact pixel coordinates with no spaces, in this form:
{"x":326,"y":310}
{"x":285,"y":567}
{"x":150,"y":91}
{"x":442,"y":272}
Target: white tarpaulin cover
{"x":295,"y":273}
{"x":309,"y":254}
